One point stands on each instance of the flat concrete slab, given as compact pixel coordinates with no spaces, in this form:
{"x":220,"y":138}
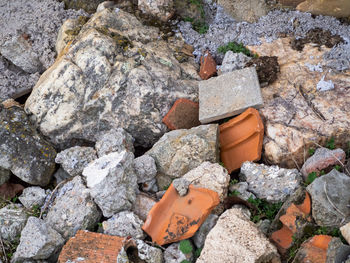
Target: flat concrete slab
{"x":229,"y":94}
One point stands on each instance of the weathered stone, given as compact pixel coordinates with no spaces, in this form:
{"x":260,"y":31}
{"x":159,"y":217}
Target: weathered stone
{"x":23,"y":150}
{"x":112,"y":182}
{"x":229,"y":94}
{"x":233,"y":61}
{"x":117,"y":73}
{"x":61,"y":175}
{"x":114,"y":141}
{"x":150,"y":186}
{"x":330,"y":199}
{"x":88,"y":5}
{"x":162,"y":9}
{"x":106,"y":4}
{"x":4,"y":175}
{"x":272,"y":183}
{"x":181,"y":185}
{"x":235,"y":237}
{"x":345,"y":231}
{"x":295,"y":115}
{"x":241,"y":190}
{"x":124,"y":224}
{"x":145,"y":168}
{"x":180,"y":151}
{"x":337,"y":252}
{"x":32,"y":196}
{"x":245,"y":11}
{"x":143,"y":205}
{"x":75,"y":159}
{"x":73,"y":209}
{"x":201,"y":234}
{"x":38,"y":241}
{"x":13,"y":218}
{"x":148,"y":253}
{"x":264,"y":226}
{"x":322,"y":159}
{"x":337,"y":8}
{"x":313,"y":250}
{"x":173,"y":254}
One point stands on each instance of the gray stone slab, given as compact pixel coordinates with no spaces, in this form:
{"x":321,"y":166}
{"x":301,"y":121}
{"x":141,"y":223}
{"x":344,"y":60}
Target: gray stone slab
{"x":229,"y":94}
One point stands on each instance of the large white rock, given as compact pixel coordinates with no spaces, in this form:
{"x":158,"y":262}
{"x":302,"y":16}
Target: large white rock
{"x":235,"y":239}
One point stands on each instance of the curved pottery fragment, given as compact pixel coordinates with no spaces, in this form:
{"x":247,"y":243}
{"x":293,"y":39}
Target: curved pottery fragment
{"x":241,"y":139}
{"x":177,"y":217}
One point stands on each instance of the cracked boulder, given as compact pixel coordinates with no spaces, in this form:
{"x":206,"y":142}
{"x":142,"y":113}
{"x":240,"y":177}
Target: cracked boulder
{"x":23,"y":150}
{"x":117,"y":73}
{"x":295,"y":113}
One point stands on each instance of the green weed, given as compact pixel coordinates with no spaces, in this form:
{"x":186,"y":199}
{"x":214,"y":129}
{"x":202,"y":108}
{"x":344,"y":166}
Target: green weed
{"x":264,"y":209}
{"x":310,"y":178}
{"x":330,"y":144}
{"x":185,"y":246}
{"x":235,"y":48}
{"x":311,"y":151}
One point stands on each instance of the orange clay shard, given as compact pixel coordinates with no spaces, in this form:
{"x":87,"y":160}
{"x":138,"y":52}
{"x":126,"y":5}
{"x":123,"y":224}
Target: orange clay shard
{"x":241,"y":139}
{"x":177,"y":217}
{"x":315,"y":249}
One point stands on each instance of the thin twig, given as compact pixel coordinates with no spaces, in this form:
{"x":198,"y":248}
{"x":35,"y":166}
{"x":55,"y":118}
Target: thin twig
{"x":3,"y":249}
{"x":295,"y":162}
{"x":329,"y":200}
{"x":155,"y":245}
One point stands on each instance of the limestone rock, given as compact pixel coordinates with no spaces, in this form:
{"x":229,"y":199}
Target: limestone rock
{"x":326,"y":192}
{"x":337,"y":251}
{"x":112,"y":182}
{"x":201,"y":234}
{"x":73,"y":209}
{"x":13,"y":218}
{"x":61,"y":175}
{"x":148,"y":253}
{"x":242,"y":10}
{"x":116,"y":74}
{"x":181,"y":185}
{"x":143,"y":205}
{"x":162,"y":9}
{"x":233,"y":61}
{"x":88,"y":5}
{"x":241,"y":190}
{"x":124,"y":224}
{"x":304,"y":115}
{"x":23,"y":150}
{"x":75,"y":159}
{"x":345,"y":231}
{"x":32,"y":196}
{"x":272,"y":183}
{"x":114,"y":141}
{"x":4,"y":175}
{"x":173,"y":254}
{"x":180,"y":151}
{"x":145,"y":168}
{"x":38,"y":241}
{"x":236,"y":237}
{"x":337,"y":8}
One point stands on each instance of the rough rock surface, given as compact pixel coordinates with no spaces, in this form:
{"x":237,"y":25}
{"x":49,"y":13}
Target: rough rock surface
{"x":4,"y":175}
{"x":337,"y":8}
{"x":330,"y":199}
{"x":337,"y":251}
{"x":112,"y":182}
{"x":75,"y":159}
{"x":236,"y":239}
{"x":162,"y":9}
{"x":241,"y":190}
{"x":345,"y":231}
{"x":296,"y":115}
{"x":61,"y":175}
{"x":148,"y":253}
{"x":180,"y":151}
{"x":201,"y":234}
{"x":321,"y":159}
{"x":114,"y":141}
{"x":272,"y":183}
{"x":117,"y":73}
{"x":88,"y":5}
{"x":33,"y":25}
{"x":13,"y":218}
{"x":23,"y":150}
{"x":124,"y":224}
{"x":181,"y":185}
{"x":32,"y":196}
{"x":73,"y":209}
{"x":233,"y":61}
{"x":145,"y":168}
{"x":143,"y":205}
{"x":173,"y":254}
{"x":38,"y":241}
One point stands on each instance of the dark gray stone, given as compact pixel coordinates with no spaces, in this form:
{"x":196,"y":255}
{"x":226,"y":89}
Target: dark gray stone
{"x":337,"y":252}
{"x":13,"y":218}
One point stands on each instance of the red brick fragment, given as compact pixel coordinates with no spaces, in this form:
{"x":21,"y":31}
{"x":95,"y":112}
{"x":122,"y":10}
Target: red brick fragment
{"x":208,"y":66}
{"x":184,"y":114}
{"x":8,"y":190}
{"x":89,"y":247}
{"x":314,"y":250}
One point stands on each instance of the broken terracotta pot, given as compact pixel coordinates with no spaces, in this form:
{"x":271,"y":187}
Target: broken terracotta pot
{"x":283,"y":238}
{"x":184,"y":114}
{"x":91,"y":248}
{"x":314,"y":250}
{"x":208,"y":66}
{"x":176,"y":218}
{"x":241,"y":139}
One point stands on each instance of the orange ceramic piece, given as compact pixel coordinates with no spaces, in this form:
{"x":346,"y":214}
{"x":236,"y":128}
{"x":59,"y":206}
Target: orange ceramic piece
{"x":91,"y":247}
{"x":314,"y":250}
{"x":177,"y":217}
{"x":208,"y":66}
{"x":184,"y":114}
{"x":283,"y":237}
{"x":241,"y":139}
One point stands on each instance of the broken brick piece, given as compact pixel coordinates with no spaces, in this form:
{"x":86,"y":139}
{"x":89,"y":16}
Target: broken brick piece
{"x":182,"y":115}
{"x":241,"y":139}
{"x":177,"y":217}
{"x":314,"y":250}
{"x":208,"y":66}
{"x":8,"y":190}
{"x":283,"y":238}
{"x":89,"y":247}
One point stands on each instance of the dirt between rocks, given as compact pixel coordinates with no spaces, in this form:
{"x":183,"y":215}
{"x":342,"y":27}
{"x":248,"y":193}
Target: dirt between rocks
{"x":266,"y":67}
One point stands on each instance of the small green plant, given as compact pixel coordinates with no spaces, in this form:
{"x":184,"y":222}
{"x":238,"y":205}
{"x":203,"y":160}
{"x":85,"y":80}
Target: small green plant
{"x":234,"y":181}
{"x":330,"y":144}
{"x":311,"y":151}
{"x":310,"y":178}
{"x":222,"y":164}
{"x":185,"y":261}
{"x":14,"y":199}
{"x":34,"y":211}
{"x":234,"y":193}
{"x":99,"y":224}
{"x":322,"y":172}
{"x":185,"y":246}
{"x":197,"y":252}
{"x":264,"y":209}
{"x":337,"y":167}
{"x":236,"y":48}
